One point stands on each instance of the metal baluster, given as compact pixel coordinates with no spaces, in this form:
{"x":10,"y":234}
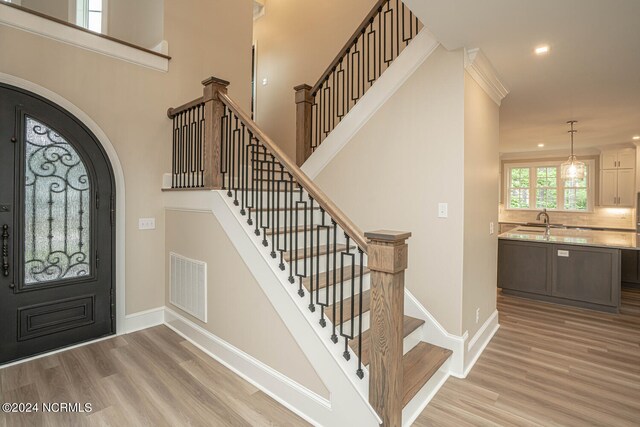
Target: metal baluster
{"x":312,"y":307}
{"x":360,"y":372}
{"x":334,"y":337}
{"x":293,"y":212}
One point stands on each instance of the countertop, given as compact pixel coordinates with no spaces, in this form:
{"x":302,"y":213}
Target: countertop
{"x":566,"y":236}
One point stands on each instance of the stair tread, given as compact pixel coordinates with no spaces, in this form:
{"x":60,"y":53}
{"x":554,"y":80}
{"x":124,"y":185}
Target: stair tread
{"x":409,"y":324}
{"x":419,"y":365}
{"x":366,"y":306}
{"x":324,"y":249}
{"x":322,"y":281}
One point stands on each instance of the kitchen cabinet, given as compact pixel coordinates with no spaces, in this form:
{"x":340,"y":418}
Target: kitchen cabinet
{"x":630,"y":269}
{"x":524,"y":266}
{"x":583,"y":276}
{"x":586,"y":274}
{"x":617,"y":178}
{"x":618,"y":159}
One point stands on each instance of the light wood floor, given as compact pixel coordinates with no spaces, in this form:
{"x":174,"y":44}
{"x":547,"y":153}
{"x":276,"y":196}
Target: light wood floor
{"x":148,"y":378}
{"x":550,"y":365}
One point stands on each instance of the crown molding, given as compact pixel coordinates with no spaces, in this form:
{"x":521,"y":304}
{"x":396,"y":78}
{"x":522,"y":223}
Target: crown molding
{"x":481,"y":70}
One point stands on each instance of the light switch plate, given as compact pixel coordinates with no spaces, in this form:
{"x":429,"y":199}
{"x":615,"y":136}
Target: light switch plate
{"x":146,"y":223}
{"x":491,"y":228}
{"x":443,"y":210}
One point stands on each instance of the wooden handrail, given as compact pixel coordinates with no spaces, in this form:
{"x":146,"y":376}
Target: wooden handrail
{"x":347,"y":46}
{"x":172,"y":112}
{"x":314,"y":191}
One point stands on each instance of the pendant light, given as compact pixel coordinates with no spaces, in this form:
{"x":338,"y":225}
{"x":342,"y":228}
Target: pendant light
{"x":572,"y":168}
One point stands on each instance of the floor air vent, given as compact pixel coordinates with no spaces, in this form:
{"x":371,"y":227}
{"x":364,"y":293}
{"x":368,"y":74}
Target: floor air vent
{"x":188,"y":285}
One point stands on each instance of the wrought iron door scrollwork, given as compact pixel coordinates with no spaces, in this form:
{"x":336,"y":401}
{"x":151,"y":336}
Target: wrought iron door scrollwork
{"x":5,"y":250}
{"x":57,"y":207}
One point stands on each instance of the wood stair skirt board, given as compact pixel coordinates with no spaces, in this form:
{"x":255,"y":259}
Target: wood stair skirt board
{"x":324,"y":249}
{"x":344,"y":273}
{"x":409,"y":325}
{"x":419,"y":365}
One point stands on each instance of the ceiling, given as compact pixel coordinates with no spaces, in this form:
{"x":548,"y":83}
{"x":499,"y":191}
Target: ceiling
{"x":592,"y":73}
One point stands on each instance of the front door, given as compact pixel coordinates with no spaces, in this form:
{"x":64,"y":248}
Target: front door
{"x":56,"y":227}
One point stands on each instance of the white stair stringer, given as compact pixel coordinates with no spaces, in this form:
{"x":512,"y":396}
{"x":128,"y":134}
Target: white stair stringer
{"x":348,"y":404}
{"x":403,"y":67}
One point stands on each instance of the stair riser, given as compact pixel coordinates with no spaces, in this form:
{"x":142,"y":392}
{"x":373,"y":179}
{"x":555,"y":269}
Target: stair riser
{"x":366,"y":279}
{"x":366,"y":317}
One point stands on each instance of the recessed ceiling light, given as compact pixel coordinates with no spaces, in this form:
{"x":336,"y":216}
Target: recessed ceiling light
{"x":542,"y":50}
{"x":636,"y":138}
{"x":540,"y":145}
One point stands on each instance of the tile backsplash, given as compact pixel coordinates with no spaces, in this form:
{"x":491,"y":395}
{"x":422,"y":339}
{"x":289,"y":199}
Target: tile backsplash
{"x":600,"y":217}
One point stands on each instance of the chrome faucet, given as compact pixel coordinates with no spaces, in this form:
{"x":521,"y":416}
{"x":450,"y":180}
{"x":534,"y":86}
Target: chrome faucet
{"x":544,"y":215}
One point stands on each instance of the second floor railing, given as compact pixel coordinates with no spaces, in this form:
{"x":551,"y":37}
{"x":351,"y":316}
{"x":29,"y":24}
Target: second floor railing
{"x":376,"y":43}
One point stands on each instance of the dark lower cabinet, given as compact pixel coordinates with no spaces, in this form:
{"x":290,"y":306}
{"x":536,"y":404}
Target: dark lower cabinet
{"x":524,"y":266}
{"x":568,"y":274}
{"x":630,"y":271}
{"x":586,"y":274}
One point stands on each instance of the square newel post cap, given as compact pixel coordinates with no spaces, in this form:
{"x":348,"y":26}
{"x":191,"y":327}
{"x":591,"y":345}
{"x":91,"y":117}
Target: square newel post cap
{"x":387,"y":236}
{"x":303,"y":93}
{"x":388,"y":251}
{"x":215,"y":81}
{"x":212,"y":86}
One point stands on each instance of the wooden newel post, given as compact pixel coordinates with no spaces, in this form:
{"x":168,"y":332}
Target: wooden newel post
{"x":304,"y":102}
{"x":387,"y":260}
{"x":213,"y":112}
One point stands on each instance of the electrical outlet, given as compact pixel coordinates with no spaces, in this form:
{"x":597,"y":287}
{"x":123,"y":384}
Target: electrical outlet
{"x":477,"y":315}
{"x":491,"y":228}
{"x":443,"y":209}
{"x":146,"y":223}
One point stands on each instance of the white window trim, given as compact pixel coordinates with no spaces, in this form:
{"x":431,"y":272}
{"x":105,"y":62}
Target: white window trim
{"x":16,"y":18}
{"x":591,"y":186}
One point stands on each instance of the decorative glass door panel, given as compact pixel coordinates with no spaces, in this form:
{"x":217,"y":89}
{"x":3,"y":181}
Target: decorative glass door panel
{"x":57,"y":197}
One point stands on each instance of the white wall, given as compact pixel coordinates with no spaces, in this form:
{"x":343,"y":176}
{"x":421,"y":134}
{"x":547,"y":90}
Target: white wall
{"x":408,"y":158}
{"x":481,"y":175}
{"x":139,"y":22}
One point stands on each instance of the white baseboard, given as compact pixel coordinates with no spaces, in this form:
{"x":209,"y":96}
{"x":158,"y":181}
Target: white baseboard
{"x":480,"y":340}
{"x":297,"y":398}
{"x":143,"y":320}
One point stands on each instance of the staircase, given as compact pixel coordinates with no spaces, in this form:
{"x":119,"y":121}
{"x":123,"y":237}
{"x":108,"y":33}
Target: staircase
{"x":351,"y":282}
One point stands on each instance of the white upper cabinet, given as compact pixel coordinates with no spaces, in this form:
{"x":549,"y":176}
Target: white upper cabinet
{"x":618,"y":159}
{"x":618,"y":178}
